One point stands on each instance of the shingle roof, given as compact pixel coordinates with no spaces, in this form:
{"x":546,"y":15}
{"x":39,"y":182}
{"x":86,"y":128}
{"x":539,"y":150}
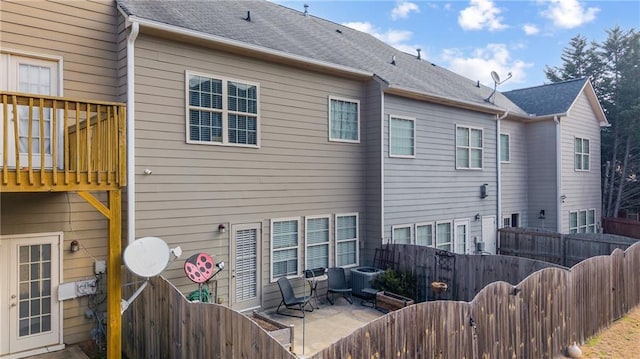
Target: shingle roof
{"x":548,"y":99}
{"x":279,"y":28}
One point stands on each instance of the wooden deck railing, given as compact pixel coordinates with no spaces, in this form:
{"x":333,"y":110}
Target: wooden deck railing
{"x":54,"y":143}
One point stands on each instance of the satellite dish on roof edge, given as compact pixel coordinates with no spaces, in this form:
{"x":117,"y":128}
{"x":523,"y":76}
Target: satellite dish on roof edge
{"x":146,"y":257}
{"x":495,"y":77}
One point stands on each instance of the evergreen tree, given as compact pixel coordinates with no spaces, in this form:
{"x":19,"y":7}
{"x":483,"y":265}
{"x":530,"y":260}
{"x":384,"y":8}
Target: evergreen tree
{"x":614,"y":69}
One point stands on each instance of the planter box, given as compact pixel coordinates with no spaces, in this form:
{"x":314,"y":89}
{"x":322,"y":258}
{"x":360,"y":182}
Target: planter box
{"x":391,"y":301}
{"x":281,"y":332}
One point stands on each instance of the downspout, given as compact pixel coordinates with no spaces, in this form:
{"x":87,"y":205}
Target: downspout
{"x":381,"y":165}
{"x":558,"y":175}
{"x":131,"y":160}
{"x":499,"y":171}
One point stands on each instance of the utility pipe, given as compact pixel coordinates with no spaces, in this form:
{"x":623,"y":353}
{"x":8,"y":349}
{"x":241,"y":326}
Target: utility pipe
{"x":131,"y":134}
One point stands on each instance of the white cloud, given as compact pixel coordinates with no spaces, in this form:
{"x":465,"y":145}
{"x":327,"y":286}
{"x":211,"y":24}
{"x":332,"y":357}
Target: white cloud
{"x":480,"y":62}
{"x":403,"y":9}
{"x":568,"y":14}
{"x":481,"y":14}
{"x":530,"y":29}
{"x":395,"y":38}
{"x":447,"y":6}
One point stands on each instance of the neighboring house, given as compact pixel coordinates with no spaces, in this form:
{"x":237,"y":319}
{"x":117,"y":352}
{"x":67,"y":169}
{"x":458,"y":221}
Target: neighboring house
{"x":277,"y":141}
{"x":561,"y":165}
{"x":57,"y":188}
{"x":311,"y":144}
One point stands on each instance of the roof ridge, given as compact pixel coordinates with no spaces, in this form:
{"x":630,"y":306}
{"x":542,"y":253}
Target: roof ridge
{"x":549,"y":84}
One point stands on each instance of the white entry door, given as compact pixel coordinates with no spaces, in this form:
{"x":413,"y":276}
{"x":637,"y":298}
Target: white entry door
{"x":461,"y":237}
{"x":29,"y":291}
{"x":489,"y":233}
{"x":245,"y":269}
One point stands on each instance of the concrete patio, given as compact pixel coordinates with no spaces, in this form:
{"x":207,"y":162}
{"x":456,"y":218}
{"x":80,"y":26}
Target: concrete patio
{"x":326,"y":325}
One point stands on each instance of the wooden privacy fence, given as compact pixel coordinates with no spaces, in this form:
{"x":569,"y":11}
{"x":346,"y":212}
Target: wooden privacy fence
{"x":465,"y":275}
{"x":162,"y":323}
{"x":537,"y":318}
{"x":622,"y":227}
{"x":562,"y":249}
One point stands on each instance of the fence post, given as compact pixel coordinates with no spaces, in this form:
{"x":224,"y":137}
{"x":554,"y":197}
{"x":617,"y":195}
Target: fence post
{"x":564,"y":249}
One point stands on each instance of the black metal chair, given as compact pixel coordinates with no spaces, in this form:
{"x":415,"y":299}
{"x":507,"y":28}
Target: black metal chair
{"x":337,"y":284}
{"x":290,"y":300}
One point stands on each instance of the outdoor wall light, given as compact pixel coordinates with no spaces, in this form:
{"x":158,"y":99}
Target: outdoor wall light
{"x":148,"y":171}
{"x":562,"y":198}
{"x":222,"y":228}
{"x":477,"y":217}
{"x":75,"y":246}
{"x":483,"y":191}
{"x":541,"y":216}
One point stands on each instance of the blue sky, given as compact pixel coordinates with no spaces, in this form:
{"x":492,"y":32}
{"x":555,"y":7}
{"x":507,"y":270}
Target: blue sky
{"x":476,"y":37}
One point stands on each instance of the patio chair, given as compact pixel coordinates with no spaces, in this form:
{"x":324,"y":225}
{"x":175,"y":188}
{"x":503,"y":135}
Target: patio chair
{"x":290,"y":300}
{"x":337,"y":284}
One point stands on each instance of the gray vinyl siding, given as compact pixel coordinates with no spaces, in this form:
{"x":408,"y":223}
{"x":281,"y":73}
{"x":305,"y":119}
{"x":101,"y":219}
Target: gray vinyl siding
{"x":27,"y":213}
{"x":582,"y":188}
{"x":429,"y":188}
{"x":83,"y":34}
{"x":515,"y":176}
{"x":541,"y":146}
{"x":296,"y":172}
{"x":372,"y":236}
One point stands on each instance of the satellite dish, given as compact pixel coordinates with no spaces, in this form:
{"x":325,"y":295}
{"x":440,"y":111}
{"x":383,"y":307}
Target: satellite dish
{"x":147,"y":257}
{"x":495,"y":77}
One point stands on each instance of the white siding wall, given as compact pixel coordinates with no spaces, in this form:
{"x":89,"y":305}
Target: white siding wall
{"x":515,"y":176}
{"x":582,"y":188}
{"x":542,"y":192}
{"x":296,"y":172}
{"x":429,"y":188}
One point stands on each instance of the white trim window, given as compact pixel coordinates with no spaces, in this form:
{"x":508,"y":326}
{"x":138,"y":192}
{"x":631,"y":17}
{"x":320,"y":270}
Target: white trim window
{"x":506,"y":221}
{"x":317,"y":241}
{"x":222,"y":111}
{"x":581,"y":149}
{"x":347,"y":251}
{"x":505,"y":150}
{"x":285,"y":243}
{"x":582,"y":221}
{"x":469,"y":147}
{"x":461,"y":242}
{"x":401,"y":234}
{"x":424,"y":234}
{"x":444,"y":236}
{"x":512,"y":220}
{"x":344,"y":120}
{"x":402,"y":137}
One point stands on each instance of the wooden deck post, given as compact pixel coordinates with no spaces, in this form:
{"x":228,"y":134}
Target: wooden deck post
{"x":114,"y":288}
{"x":114,"y":261}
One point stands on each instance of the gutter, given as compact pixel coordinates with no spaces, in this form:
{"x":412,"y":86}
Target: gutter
{"x":556,"y":119}
{"x":131,"y":153}
{"x":406,"y":92}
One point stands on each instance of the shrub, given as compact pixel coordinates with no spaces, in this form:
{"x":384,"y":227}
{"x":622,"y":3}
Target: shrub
{"x":402,"y":283}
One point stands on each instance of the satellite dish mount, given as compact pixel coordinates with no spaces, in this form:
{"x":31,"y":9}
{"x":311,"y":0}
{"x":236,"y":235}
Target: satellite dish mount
{"x":146,"y":257}
{"x":496,"y":82}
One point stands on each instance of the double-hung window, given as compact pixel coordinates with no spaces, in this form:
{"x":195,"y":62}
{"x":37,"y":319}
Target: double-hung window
{"x":347,"y":239}
{"x":402,"y":137}
{"x":401,"y":234}
{"x":505,"y":155}
{"x":317,"y":241}
{"x":424,"y":234}
{"x":222,"y":111}
{"x":582,"y":221}
{"x":444,"y":236}
{"x":344,"y":120}
{"x":581,"y":148}
{"x":469,"y":148}
{"x":285,"y":240}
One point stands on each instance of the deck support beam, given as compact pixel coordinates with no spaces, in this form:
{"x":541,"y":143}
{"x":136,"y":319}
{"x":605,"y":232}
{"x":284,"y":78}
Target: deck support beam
{"x":114,"y":264}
